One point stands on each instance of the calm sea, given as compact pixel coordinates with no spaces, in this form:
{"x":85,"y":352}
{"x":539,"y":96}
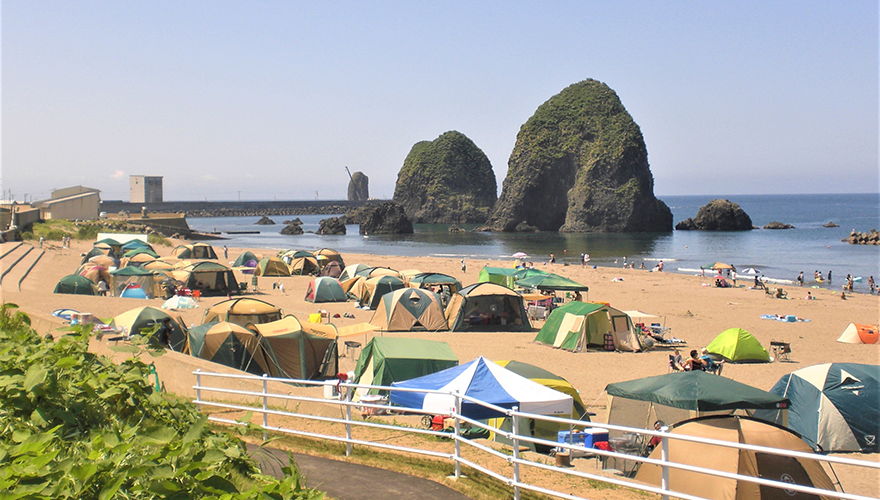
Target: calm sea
{"x":779,"y":254}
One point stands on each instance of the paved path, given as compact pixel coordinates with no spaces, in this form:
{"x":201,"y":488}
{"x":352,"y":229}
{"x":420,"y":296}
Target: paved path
{"x":348,"y":481}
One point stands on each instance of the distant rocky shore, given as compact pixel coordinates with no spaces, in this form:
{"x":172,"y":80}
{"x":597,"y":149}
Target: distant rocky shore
{"x":260,"y":212}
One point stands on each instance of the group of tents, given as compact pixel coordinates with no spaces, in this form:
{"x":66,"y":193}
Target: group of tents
{"x":323,"y":262}
{"x":246,"y":334}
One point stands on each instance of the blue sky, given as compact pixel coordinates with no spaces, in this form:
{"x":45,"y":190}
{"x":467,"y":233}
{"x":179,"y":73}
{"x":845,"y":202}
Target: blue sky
{"x":271,"y":100}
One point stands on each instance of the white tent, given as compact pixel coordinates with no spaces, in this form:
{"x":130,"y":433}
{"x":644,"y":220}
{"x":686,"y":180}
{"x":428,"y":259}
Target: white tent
{"x":486,"y":381}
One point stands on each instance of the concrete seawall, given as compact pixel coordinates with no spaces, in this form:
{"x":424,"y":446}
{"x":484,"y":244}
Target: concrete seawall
{"x":237,"y":208}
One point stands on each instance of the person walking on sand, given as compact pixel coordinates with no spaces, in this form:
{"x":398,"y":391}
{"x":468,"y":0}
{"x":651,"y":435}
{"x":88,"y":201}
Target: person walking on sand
{"x":463,"y":266}
{"x":41,"y":241}
{"x":225,"y":252}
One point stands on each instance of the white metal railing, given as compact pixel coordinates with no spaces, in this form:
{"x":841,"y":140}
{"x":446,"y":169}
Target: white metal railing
{"x":515,"y":481}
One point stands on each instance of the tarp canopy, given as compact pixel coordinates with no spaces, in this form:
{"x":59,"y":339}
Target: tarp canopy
{"x":499,"y":275}
{"x":487,"y":306}
{"x":834,"y":406}
{"x":385,"y":360}
{"x":271,"y":266}
{"x":409,"y":309}
{"x":736,"y":429}
{"x":325,"y":289}
{"x":552,"y":282}
{"x":292,"y":353}
{"x":578,"y":325}
{"x":641,"y":317}
{"x":242,"y":311}
{"x":141,"y":320}
{"x":697,"y":391}
{"x":487,"y":382}
{"x":76,"y":284}
{"x":738,"y":346}
{"x":860,"y":334}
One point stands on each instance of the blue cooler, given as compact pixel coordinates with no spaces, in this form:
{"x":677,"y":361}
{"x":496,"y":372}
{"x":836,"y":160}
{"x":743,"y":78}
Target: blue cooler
{"x":570,"y":437}
{"x":587,"y":437}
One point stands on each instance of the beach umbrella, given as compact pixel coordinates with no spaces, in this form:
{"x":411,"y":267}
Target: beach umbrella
{"x":751,"y":271}
{"x":718,"y":266}
{"x":520,"y":255}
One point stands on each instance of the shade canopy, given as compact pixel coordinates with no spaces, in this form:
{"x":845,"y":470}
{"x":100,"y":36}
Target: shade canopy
{"x":485,"y":381}
{"x":552,"y":282}
{"x":698,"y":391}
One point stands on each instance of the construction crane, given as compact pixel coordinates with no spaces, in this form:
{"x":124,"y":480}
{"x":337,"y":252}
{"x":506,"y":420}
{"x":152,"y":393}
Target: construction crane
{"x":356,"y":194}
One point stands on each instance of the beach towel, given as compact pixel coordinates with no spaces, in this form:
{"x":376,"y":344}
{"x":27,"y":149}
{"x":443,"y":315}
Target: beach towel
{"x":789,"y":318}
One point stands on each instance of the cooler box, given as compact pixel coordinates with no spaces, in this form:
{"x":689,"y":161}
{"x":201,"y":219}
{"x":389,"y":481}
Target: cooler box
{"x":587,"y":438}
{"x":82,"y":318}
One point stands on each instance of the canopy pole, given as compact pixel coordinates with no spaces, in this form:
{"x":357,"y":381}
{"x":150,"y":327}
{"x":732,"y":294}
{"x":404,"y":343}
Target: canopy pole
{"x":457,"y":435}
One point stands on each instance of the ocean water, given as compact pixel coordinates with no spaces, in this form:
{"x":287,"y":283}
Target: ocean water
{"x":778,"y":254}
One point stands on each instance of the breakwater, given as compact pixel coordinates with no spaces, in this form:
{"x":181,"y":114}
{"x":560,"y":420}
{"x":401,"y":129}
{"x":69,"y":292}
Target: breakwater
{"x":239,"y":208}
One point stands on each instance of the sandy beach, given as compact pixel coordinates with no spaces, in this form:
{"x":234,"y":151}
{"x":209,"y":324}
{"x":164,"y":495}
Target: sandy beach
{"x":693,"y":310}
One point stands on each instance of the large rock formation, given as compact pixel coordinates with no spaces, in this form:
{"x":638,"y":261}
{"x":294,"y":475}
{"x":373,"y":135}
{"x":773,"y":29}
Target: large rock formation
{"x":333,"y":225}
{"x":447,"y":180}
{"x":265,"y":221}
{"x":359,"y":187}
{"x":385,"y":218}
{"x":580,"y":164}
{"x":718,"y":215}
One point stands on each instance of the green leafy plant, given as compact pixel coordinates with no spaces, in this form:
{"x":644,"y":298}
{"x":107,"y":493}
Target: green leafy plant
{"x":75,"y":425}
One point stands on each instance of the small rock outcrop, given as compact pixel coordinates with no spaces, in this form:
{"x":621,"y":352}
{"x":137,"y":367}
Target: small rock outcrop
{"x":447,"y":180}
{"x":580,"y":164}
{"x":292,"y":229}
{"x":831,"y":224}
{"x":265,"y":221}
{"x":296,"y":221}
{"x":860,"y":238}
{"x":359,"y":187}
{"x":455,"y":229}
{"x":718,"y":215}
{"x":385,"y":218}
{"x":778,"y":225}
{"x":333,"y":225}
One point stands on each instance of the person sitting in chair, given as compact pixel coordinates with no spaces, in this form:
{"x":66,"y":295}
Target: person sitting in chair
{"x":655,"y":440}
{"x":709,"y":364}
{"x":694,"y":363}
{"x":675,"y":361}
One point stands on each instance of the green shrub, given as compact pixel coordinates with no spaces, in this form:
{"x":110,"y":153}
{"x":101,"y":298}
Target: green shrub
{"x":155,"y":239}
{"x":75,"y":425}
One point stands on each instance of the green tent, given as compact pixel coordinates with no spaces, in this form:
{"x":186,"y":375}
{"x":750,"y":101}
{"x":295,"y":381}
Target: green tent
{"x":578,"y":325}
{"x":132,"y":271}
{"x":137,"y":251}
{"x":528,"y":273}
{"x":738,"y":346}
{"x":697,"y":391}
{"x":244,"y":258}
{"x":292,"y":353}
{"x":325,"y":289}
{"x":227,"y":344}
{"x":77,"y":285}
{"x":392,"y":359}
{"x":134,"y":244}
{"x":499,"y":275}
{"x":551,"y":281}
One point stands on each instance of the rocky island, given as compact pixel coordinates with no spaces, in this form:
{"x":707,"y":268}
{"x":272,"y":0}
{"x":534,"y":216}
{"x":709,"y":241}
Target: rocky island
{"x":580,"y":164}
{"x":718,"y":215}
{"x":447,"y":180}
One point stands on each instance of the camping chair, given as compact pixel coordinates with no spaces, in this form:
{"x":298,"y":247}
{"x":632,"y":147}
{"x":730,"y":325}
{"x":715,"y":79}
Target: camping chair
{"x":781,"y":350}
{"x":671,"y":366}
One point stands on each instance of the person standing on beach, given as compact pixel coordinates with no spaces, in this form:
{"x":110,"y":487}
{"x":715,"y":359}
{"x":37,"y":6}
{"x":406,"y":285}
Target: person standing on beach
{"x":225,"y":252}
{"x":800,"y":279}
{"x":871,"y":284}
{"x":660,"y":266}
{"x":552,"y":259}
{"x":829,"y":276}
{"x":463,"y":266}
{"x":41,"y":241}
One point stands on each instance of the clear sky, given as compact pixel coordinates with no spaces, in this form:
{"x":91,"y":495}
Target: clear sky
{"x":272,"y":99}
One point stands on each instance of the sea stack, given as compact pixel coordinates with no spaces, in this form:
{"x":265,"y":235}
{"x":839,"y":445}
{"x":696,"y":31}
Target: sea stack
{"x":447,"y":180}
{"x":359,"y":187}
{"x":580,"y":165}
{"x":718,"y":215}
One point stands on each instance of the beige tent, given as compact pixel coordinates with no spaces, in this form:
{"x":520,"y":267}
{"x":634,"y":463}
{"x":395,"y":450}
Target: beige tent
{"x":294,"y":353}
{"x":271,"y":266}
{"x":579,"y":325}
{"x":409,"y":309}
{"x":243,"y":311}
{"x":745,"y":430}
{"x":859,"y":334}
{"x":487,"y":307}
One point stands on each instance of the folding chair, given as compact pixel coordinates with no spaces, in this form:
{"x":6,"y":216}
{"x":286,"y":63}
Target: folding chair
{"x":781,"y":350}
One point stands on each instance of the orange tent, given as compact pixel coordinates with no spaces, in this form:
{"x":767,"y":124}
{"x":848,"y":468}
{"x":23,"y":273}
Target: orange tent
{"x":860,"y":334}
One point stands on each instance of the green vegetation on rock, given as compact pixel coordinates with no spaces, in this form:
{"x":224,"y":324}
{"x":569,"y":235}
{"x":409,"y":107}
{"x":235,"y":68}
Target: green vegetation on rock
{"x":448,"y":180}
{"x":74,"y":425}
{"x":579,"y":165}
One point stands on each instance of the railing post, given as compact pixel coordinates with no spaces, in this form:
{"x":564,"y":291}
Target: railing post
{"x":199,"y":388}
{"x":348,"y":394}
{"x":664,"y":456}
{"x":457,"y":435}
{"x":515,"y":428}
{"x":265,"y":406}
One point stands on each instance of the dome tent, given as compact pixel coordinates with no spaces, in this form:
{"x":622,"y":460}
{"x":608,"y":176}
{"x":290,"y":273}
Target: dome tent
{"x":271,"y":266}
{"x":578,"y":325}
{"x":143,"y":319}
{"x":834,"y":406}
{"x":325,"y":289}
{"x":293,"y":353}
{"x":487,"y":306}
{"x":738,"y":346}
{"x":860,"y":334}
{"x":408,"y":309}
{"x":385,"y":360}
{"x":374,"y":288}
{"x":76,"y":284}
{"x":227,"y":344}
{"x":242,"y":311}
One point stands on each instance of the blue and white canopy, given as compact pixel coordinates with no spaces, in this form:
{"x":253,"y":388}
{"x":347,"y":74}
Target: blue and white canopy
{"x":834,"y":406}
{"x":486,"y":381}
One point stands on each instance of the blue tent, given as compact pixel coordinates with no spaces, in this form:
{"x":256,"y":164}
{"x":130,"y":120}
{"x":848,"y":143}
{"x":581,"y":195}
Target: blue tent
{"x":834,"y":406}
{"x":486,"y":381}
